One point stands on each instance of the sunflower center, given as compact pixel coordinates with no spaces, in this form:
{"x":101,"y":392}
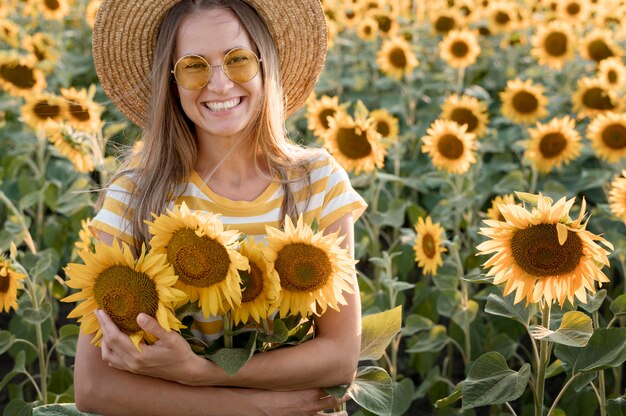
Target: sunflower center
{"x":611,"y":76}
{"x":525,"y":102}
{"x":383,"y":128}
{"x":599,"y":50}
{"x":51,"y":4}
{"x":556,"y":44}
{"x":614,"y":136}
{"x":302,"y":267}
{"x":573,"y":9}
{"x":39,"y":53}
{"x":465,"y":116}
{"x":79,"y":112}
{"x":124,"y":293}
{"x":5,"y":283}
{"x":384,"y":23}
{"x":450,"y":146}
{"x":552,"y":145}
{"x":502,"y":18}
{"x":459,"y":49}
{"x":324,"y":114}
{"x":44,"y":110}
{"x":444,"y":24}
{"x":368,"y":30}
{"x":198,"y":261}
{"x":397,"y":58}
{"x":597,"y":99}
{"x":537,"y":251}
{"x":22,"y":76}
{"x":252,"y":283}
{"x":428,"y":245}
{"x":353,"y":145}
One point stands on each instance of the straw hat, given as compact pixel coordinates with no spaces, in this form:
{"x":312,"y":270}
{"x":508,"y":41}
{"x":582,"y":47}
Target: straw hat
{"x":125,"y":34}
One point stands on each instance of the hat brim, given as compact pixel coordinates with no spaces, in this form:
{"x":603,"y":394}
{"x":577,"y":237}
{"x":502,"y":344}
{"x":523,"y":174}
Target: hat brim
{"x":125,"y":34}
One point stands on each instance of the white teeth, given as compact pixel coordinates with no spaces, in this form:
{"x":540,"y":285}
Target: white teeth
{"x":223,"y":105}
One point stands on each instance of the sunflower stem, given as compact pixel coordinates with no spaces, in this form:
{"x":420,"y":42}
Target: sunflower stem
{"x":601,"y":377}
{"x":41,"y":161}
{"x":41,"y":346}
{"x":544,"y":357}
{"x":558,"y":397}
{"x":28,"y":239}
{"x":228,"y":330}
{"x":459,"y":80}
{"x":508,"y":406}
{"x":534,"y":178}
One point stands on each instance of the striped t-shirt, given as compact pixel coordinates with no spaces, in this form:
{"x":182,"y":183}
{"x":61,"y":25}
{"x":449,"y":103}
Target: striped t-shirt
{"x":331,"y":196}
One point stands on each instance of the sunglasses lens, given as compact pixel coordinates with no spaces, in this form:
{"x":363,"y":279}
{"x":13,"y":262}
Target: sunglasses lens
{"x":192,"y":72}
{"x":241,"y":65}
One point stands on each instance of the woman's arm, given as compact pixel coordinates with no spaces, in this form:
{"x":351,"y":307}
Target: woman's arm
{"x":329,"y":359}
{"x":101,"y":389}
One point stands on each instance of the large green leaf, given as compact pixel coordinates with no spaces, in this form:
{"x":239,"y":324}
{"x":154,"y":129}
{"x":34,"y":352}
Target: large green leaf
{"x":377,"y":331}
{"x":36,"y":316}
{"x":65,"y":409}
{"x":372,"y":389}
{"x":68,"y":337}
{"x":465,"y":315}
{"x":575,"y":330}
{"x":606,"y":348}
{"x":415,"y":323}
{"x":433,"y":340}
{"x":491,"y":381}
{"x":402,"y":396}
{"x":6,"y":341}
{"x":232,"y":360}
{"x":616,"y":407}
{"x":594,"y":301}
{"x":503,"y":306}
{"x":618,"y":306}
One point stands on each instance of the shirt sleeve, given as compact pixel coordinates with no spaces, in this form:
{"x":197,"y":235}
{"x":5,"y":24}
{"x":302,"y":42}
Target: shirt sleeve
{"x":113,"y":217}
{"x":340,"y":198}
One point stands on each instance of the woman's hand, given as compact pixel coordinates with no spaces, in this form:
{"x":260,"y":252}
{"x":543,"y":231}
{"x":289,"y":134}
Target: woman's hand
{"x":170,"y":358}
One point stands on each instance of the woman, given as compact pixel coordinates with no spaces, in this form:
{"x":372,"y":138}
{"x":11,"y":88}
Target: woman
{"x":210,"y":82}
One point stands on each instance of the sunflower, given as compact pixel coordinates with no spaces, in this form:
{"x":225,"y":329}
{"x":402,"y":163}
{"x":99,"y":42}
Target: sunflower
{"x":501,"y":17}
{"x":554,"y":44}
{"x":494,"y":211}
{"x":86,"y":240}
{"x":574,"y":11}
{"x":466,"y":111}
{"x":261,"y":285}
{"x":617,"y":196}
{"x":318,"y":113}
{"x":598,"y":45}
{"x":75,"y":145}
{"x":91,"y":10}
{"x":204,"y":257}
{"x":387,"y":24}
{"x":613,"y":72}
{"x":112,"y":280}
{"x":367,"y":29}
{"x":594,"y":97}
{"x":523,"y":101}
{"x":43,"y":46}
{"x":607,"y":133}
{"x":443,"y":20}
{"x":348,"y":16}
{"x":333,"y":30}
{"x":53,"y":9}
{"x":314,"y":270}
{"x":9,"y":32}
{"x":553,"y":144}
{"x":459,"y":48}
{"x":385,"y":124}
{"x":395,"y":58}
{"x":450,"y":147}
{"x":428,"y":245}
{"x":9,"y":285}
{"x":83,"y":113}
{"x":18,"y":75}
{"x":543,"y":253}
{"x":39,"y":109}
{"x":355,"y":145}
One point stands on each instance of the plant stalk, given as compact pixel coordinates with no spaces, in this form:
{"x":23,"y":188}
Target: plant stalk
{"x":544,"y":357}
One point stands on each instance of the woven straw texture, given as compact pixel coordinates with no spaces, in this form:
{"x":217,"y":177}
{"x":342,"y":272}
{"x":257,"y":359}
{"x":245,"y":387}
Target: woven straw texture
{"x":125,"y":34}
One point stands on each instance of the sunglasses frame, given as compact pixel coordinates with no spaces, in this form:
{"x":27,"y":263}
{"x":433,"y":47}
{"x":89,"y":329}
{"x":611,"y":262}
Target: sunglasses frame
{"x":210,"y":67}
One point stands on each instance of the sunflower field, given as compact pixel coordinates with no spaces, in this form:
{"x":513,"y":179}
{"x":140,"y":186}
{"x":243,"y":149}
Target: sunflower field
{"x":488,"y":138}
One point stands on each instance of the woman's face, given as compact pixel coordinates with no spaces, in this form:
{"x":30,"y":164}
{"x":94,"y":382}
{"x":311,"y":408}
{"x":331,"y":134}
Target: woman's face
{"x":222,"y":108}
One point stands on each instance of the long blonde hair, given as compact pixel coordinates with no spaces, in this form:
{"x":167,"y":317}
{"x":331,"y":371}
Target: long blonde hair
{"x":169,"y":150}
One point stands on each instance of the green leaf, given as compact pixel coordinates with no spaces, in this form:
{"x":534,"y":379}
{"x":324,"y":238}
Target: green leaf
{"x":65,"y":409}
{"x":415,"y":323}
{"x":594,"y":301}
{"x":491,"y":381}
{"x":433,"y":340}
{"x":8,"y":377}
{"x":503,"y":306}
{"x":432,"y":377}
{"x":575,"y":330}
{"x":279,"y":334}
{"x":605,"y":349}
{"x":68,"y":337}
{"x":465,"y":315}
{"x":18,"y":407}
{"x":456,"y":395}
{"x":377,"y":332}
{"x":337,"y":391}
{"x":402,"y":396}
{"x":616,"y":407}
{"x":46,"y":267}
{"x":36,"y":316}
{"x":7,"y":339}
{"x":232,"y":360}
{"x":618,"y":306}
{"x":372,"y":390}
